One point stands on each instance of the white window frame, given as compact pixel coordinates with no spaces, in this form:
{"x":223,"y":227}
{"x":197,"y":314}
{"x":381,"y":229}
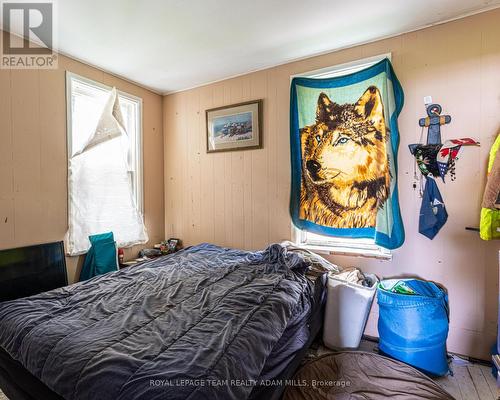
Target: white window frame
{"x":340,"y":245}
{"x":138,"y":178}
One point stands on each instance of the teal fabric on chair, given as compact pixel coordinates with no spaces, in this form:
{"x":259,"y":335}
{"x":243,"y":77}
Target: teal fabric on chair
{"x":101,"y":257}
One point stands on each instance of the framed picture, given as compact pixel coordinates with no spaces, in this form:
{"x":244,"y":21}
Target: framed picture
{"x":235,"y":127}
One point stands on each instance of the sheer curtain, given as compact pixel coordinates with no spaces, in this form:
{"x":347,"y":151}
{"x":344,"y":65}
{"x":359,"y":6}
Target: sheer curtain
{"x":101,"y":197}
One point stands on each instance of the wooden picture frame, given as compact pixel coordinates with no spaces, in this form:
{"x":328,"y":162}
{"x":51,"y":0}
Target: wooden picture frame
{"x":234,"y":127}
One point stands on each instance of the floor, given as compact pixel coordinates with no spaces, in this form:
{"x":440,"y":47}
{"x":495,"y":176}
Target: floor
{"x":470,"y":381}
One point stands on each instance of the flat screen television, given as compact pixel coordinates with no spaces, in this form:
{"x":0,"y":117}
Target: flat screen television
{"x":26,"y":271}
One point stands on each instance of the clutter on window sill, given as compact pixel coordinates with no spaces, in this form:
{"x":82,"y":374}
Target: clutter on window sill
{"x":160,"y":249}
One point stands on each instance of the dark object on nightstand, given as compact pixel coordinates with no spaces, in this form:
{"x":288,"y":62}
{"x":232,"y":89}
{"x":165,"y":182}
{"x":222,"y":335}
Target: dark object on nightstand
{"x":150,"y":253}
{"x":169,"y":246}
{"x":174,"y":245}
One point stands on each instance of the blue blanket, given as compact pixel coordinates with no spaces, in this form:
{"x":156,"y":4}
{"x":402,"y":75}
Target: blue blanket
{"x":183,"y":326}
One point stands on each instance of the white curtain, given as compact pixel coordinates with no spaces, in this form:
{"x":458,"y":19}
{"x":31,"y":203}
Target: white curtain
{"x":100,"y":192}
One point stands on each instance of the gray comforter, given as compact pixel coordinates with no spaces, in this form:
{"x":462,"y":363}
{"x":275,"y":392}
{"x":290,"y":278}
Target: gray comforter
{"x":199,"y":324}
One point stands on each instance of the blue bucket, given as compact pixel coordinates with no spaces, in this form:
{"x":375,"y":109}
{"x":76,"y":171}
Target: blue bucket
{"x":413,"y":323}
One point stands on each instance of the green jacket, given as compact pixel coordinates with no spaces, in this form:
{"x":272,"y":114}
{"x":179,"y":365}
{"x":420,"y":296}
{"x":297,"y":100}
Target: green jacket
{"x":490,"y":217}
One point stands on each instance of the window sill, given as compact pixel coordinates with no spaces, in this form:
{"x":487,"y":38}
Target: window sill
{"x":347,"y":251}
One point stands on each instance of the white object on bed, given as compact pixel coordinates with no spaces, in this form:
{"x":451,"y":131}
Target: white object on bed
{"x":316,"y":261}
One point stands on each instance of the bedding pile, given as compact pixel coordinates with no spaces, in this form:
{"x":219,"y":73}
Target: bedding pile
{"x":201,"y":323}
{"x":317,"y":264}
{"x":351,"y":375}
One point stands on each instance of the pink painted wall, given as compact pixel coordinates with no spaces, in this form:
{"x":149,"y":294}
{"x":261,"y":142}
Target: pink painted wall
{"x":240,"y":199}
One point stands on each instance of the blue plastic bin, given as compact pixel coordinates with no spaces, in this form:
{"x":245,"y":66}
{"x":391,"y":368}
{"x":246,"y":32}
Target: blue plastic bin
{"x":413,"y":328}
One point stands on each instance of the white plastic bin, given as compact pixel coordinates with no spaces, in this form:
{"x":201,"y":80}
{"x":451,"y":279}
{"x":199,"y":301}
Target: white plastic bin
{"x":347,"y":308}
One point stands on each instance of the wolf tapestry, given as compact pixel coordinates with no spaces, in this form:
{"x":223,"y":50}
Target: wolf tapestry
{"x":344,"y":143}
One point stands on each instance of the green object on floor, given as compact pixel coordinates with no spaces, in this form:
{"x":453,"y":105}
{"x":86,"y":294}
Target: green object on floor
{"x":101,"y":257}
{"x":403,"y":288}
{"x":399,"y":287}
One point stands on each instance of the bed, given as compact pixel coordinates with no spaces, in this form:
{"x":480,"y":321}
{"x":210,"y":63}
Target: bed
{"x":204,"y":323}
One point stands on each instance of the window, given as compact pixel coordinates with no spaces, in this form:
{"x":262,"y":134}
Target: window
{"x":105,"y":182}
{"x":87,"y":101}
{"x":328,"y":244}
{"x":345,"y":246}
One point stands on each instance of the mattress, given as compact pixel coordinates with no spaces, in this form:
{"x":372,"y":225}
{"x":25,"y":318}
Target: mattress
{"x":206,"y":322}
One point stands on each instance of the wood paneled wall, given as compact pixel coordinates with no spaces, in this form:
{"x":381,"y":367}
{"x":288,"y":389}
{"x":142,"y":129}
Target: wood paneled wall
{"x":240,"y":199}
{"x":33,"y":155}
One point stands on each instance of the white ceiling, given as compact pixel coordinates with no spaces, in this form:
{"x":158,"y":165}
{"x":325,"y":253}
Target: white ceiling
{"x":170,"y":45}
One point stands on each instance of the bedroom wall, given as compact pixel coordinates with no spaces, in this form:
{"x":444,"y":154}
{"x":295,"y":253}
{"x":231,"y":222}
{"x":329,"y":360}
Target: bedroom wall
{"x":240,"y":199}
{"x":33,"y":157}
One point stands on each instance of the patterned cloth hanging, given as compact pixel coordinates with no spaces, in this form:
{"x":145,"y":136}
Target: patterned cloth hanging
{"x":344,"y":142}
{"x":449,"y":153}
{"x":426,"y":158}
{"x":433,"y":213}
{"x":437,"y":159}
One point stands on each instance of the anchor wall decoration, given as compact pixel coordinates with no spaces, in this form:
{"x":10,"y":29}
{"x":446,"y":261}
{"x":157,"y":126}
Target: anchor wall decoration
{"x":435,"y":159}
{"x":433,"y":122}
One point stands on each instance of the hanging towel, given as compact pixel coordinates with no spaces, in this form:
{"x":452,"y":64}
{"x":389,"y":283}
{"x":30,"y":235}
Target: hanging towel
{"x":490,"y":211}
{"x":344,"y":142}
{"x":101,"y":257}
{"x":433,"y":213}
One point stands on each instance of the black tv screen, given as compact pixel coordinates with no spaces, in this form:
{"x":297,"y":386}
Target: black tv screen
{"x":26,"y":271}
